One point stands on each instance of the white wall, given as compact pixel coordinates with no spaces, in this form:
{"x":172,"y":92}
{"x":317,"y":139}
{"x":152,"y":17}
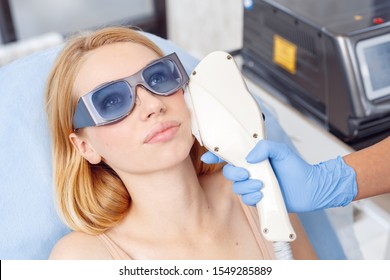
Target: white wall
{"x":203,"y":26}
{"x":36,"y":17}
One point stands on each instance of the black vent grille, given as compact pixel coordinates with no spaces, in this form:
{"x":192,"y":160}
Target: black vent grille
{"x":292,"y":34}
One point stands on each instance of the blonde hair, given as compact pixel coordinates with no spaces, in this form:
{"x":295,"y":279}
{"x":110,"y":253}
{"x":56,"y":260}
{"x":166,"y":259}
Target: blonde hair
{"x":90,"y":198}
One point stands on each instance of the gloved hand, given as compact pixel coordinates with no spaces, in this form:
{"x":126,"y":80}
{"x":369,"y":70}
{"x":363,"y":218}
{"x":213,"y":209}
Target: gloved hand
{"x":249,"y":189}
{"x":305,"y":187}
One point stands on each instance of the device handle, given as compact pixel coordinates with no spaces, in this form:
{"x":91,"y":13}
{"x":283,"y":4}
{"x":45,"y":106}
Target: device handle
{"x":274,"y":221}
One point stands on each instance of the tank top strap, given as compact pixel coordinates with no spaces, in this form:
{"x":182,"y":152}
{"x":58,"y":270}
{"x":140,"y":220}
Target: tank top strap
{"x":252,"y":216}
{"x":115,"y":251}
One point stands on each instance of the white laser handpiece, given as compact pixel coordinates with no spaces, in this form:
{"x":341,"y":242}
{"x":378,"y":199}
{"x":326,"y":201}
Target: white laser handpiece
{"x":227,"y":120}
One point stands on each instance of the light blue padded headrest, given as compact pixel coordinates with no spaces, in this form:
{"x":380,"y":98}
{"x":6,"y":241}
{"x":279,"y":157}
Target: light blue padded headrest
{"x":29,"y":225}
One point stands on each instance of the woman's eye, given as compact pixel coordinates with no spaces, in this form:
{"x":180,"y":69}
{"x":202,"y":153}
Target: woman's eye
{"x":157,"y":79}
{"x":111,"y":101}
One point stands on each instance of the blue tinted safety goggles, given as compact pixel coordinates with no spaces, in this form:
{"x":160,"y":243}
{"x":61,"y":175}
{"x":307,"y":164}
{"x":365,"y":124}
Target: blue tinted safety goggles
{"x":113,"y":101}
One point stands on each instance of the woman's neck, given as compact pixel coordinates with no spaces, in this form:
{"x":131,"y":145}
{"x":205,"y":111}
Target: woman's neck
{"x":167,"y":200}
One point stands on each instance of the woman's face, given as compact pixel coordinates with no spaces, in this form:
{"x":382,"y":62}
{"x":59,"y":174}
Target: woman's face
{"x":157,"y":133}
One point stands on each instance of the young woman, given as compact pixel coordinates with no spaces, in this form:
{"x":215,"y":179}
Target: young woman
{"x":128,"y":177}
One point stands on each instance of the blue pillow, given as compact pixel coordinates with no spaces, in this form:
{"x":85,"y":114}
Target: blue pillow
{"x":30,"y":225}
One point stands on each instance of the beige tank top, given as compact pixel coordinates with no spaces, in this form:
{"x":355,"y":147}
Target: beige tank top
{"x":252,"y":216}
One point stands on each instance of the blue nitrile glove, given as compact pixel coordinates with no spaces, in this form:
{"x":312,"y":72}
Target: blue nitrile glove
{"x":305,"y":187}
{"x":249,"y":189}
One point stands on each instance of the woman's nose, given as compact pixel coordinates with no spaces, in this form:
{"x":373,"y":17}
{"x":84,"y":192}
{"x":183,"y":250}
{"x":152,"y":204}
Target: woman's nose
{"x":149,"y":104}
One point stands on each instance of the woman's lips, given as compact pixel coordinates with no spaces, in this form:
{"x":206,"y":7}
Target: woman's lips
{"x":162,"y":132}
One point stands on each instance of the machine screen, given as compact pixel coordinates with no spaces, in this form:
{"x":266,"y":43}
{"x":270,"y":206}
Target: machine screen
{"x":378,"y":60}
{"x":374,"y":61}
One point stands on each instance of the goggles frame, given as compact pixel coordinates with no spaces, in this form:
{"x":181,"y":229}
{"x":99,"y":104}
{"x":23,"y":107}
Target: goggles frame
{"x":86,"y":113}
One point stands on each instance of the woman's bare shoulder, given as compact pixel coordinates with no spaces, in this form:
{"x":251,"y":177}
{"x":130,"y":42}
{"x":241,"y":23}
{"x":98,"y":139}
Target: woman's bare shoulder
{"x":79,"y":246}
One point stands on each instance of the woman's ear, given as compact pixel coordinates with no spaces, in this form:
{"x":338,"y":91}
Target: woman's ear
{"x":85,"y":149}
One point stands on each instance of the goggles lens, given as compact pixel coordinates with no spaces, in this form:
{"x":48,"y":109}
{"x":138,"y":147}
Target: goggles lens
{"x":113,"y":101}
{"x":162,"y":77}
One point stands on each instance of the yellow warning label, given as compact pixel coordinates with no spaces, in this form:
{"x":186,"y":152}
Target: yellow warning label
{"x":285,"y":54}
